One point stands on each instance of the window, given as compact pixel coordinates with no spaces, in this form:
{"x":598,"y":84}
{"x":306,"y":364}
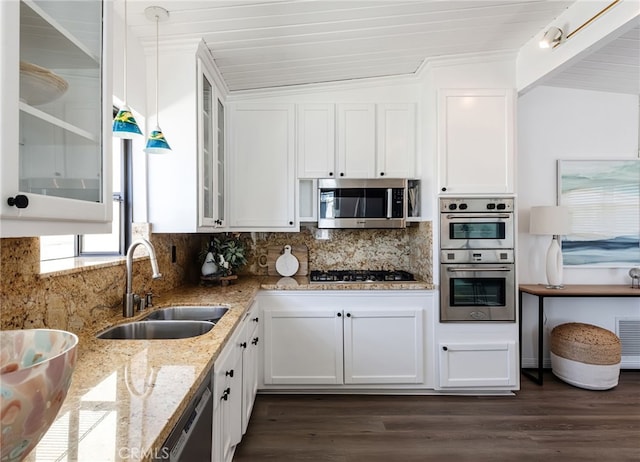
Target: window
{"x":114,"y":243}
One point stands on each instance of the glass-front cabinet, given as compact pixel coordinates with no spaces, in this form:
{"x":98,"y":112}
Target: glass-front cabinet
{"x":54,"y":117}
{"x":211,"y":157}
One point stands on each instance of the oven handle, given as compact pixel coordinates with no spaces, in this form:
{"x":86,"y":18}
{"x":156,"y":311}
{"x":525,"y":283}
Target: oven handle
{"x":462,"y":270}
{"x":467,"y":217}
{"x":389,"y":202}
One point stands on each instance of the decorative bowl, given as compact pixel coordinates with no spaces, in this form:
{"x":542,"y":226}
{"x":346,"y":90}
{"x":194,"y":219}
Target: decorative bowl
{"x":35,"y":373}
{"x":39,"y":85}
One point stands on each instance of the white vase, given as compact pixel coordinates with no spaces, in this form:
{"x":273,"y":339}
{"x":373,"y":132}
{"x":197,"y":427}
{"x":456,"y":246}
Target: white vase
{"x":209,"y":266}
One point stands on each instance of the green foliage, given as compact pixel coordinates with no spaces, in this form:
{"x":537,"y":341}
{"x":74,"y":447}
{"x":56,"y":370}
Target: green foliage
{"x":232,"y":250}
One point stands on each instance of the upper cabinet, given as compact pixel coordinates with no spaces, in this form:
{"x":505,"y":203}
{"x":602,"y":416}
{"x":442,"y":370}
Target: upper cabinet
{"x":211,"y":155}
{"x":356,"y":141}
{"x":476,"y":141}
{"x":187,"y":185}
{"x":55,"y":117}
{"x":396,"y":140}
{"x":262,"y":186}
{"x":359,"y":140}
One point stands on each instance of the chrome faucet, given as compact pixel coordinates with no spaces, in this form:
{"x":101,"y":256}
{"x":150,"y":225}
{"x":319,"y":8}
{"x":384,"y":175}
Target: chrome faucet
{"x":131,"y":300}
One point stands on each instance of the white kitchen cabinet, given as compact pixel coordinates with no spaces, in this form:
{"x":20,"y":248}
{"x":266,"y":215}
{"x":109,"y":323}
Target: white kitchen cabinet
{"x":302,"y":345}
{"x":55,"y":160}
{"x":338,"y":339}
{"x":383,"y":345}
{"x":211,"y":152}
{"x":250,"y":344}
{"x":262,"y":186}
{"x":316,"y":128}
{"x":476,"y":141}
{"x":477,"y":365}
{"x":186,"y":185}
{"x":396,"y":143}
{"x":356,"y":153}
{"x":227,"y":401}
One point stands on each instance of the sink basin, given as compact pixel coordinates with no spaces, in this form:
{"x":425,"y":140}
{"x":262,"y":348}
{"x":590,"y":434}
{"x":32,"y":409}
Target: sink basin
{"x":154,"y":330}
{"x":189,"y":313}
{"x":36,"y":366}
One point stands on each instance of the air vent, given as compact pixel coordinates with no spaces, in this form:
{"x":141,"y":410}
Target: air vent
{"x":628,"y":329}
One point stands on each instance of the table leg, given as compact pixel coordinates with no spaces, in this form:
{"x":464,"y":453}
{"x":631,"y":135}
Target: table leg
{"x":537,"y":378}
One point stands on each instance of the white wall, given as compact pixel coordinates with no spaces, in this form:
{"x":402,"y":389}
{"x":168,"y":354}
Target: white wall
{"x":564,"y":124}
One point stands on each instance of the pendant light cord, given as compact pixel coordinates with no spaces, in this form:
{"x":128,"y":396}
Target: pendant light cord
{"x":157,"y":68}
{"x":125,"y":54}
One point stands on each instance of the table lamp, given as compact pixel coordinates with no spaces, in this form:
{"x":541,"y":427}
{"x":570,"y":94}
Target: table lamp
{"x":551,"y":220}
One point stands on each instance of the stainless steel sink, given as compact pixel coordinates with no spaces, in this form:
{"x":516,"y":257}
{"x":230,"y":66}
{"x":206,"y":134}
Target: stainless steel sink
{"x":190,"y":313}
{"x":152,"y":330}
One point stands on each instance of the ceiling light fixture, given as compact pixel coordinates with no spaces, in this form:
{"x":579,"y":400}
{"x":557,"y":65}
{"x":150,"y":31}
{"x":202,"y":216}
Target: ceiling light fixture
{"x":156,"y":143}
{"x":554,"y":36}
{"x":124,"y":124}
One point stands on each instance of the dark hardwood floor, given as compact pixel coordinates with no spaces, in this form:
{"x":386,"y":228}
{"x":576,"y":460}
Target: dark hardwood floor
{"x":555,"y":422}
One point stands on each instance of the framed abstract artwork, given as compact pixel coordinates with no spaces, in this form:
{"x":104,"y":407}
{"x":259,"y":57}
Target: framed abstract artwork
{"x":603,"y":197}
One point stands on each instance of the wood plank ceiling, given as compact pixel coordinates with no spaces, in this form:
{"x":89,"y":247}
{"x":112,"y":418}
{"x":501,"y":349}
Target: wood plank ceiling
{"x":263,"y":44}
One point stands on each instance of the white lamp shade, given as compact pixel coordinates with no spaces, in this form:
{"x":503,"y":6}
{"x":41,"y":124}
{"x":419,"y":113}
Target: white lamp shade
{"x":550,"y":219}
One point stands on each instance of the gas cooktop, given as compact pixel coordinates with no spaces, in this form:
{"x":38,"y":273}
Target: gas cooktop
{"x":360,"y":276}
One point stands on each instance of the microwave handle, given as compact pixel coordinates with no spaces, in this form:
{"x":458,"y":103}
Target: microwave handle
{"x":389,"y":203}
{"x":473,"y":270}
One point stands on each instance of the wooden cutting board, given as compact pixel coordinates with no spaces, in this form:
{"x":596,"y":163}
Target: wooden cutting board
{"x":301,"y":252}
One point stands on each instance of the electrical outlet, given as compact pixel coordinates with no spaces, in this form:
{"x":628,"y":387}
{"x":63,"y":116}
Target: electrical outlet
{"x":174,"y":257}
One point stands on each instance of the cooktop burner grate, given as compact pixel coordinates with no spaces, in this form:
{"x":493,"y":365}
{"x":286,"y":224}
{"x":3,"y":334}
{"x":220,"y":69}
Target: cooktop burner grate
{"x":360,"y":276}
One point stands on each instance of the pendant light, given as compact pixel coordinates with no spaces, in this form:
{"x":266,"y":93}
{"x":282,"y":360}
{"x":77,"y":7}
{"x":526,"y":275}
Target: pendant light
{"x":156,"y":143}
{"x":124,"y":124}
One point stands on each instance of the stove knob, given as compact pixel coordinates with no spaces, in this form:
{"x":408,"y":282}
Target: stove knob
{"x":491,"y":206}
{"x":452,"y":206}
{"x":502,"y":206}
{"x":463,"y":206}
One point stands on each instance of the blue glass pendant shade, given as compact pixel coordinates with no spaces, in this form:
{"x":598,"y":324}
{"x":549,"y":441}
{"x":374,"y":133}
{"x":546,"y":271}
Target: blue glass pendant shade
{"x":124,"y":124}
{"x":157,"y":144}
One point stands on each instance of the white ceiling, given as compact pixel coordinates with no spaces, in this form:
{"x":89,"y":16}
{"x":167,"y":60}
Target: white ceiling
{"x":262,"y":44}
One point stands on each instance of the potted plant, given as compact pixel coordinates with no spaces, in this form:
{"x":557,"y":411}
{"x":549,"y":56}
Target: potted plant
{"x":224,"y":255}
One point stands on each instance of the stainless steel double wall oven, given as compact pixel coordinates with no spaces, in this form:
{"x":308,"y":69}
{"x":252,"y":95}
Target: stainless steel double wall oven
{"x":477,"y":261}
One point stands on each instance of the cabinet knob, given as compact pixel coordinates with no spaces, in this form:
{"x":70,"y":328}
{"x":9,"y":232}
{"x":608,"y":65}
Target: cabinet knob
{"x":254,"y":341}
{"x":243,"y":345}
{"x":443,"y":189}
{"x":339,"y":315}
{"x":255,"y":319}
{"x":229,"y":373}
{"x":348,"y":315}
{"x":330,"y":173}
{"x":20,"y":201}
{"x":341,"y":173}
{"x":381,"y":173}
{"x":444,"y":348}
{"x":291,"y":223}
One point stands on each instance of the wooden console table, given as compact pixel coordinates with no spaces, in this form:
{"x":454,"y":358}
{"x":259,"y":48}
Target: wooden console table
{"x":542,"y":292}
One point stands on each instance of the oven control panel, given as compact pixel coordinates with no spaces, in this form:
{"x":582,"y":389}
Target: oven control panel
{"x":476,"y":205}
{"x":476,"y":256}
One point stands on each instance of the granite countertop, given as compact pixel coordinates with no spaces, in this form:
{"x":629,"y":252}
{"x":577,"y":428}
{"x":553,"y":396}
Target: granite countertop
{"x":127,"y":395}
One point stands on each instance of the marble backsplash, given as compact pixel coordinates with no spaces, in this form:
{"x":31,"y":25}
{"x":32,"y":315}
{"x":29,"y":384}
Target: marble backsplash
{"x":80,"y":299}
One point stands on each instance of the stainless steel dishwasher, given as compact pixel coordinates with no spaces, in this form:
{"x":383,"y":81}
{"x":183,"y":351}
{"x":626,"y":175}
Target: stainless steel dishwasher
{"x":192,"y":438}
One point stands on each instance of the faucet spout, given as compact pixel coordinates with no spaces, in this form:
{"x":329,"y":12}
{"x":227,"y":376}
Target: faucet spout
{"x":129,"y":302}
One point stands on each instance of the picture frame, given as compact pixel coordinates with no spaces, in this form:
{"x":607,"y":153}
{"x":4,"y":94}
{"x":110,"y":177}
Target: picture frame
{"x":603,"y":197}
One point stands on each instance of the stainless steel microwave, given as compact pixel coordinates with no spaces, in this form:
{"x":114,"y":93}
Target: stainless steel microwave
{"x":362,"y":203}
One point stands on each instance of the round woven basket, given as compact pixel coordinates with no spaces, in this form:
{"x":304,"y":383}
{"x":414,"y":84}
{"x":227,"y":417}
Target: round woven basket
{"x":586,"y":343}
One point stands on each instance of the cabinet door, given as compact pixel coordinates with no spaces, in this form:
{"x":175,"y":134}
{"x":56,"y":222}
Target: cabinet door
{"x":464,"y":365}
{"x":302,"y":346}
{"x":206,"y":147}
{"x":383,"y":345}
{"x":250,"y":360}
{"x":227,"y":385}
{"x":55,"y":137}
{"x":396,"y":140}
{"x":316,"y":140}
{"x":261,"y":167}
{"x":476,"y":141}
{"x":356,"y":140}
